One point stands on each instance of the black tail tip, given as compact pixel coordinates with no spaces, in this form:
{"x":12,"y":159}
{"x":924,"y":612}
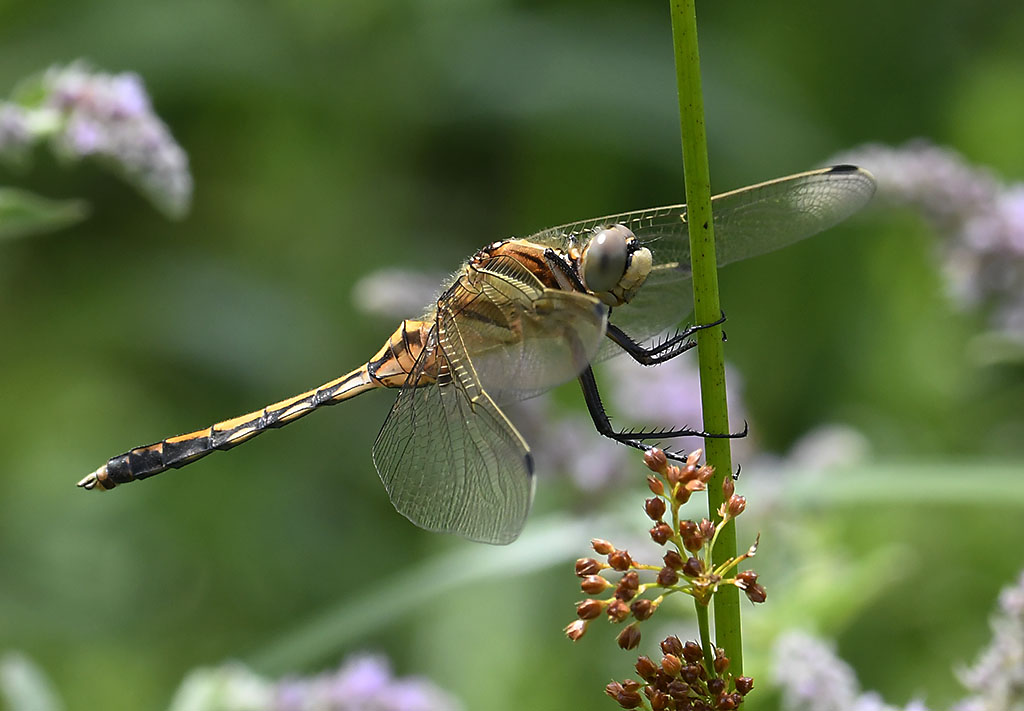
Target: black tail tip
{"x":844,"y":168}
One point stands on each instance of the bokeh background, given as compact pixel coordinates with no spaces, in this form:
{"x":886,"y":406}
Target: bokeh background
{"x":330,"y":140}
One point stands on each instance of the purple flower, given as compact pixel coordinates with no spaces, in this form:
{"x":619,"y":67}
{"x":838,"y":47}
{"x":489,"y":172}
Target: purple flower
{"x":813,"y":678}
{"x":359,"y":681}
{"x":15,"y":135}
{"x":86,"y":113}
{"x":84,"y":136}
{"x":979,"y":220}
{"x":362,"y":683}
{"x":996,"y":680}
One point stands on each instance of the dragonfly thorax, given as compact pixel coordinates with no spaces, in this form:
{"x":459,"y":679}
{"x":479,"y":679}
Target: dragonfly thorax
{"x":613,"y":265}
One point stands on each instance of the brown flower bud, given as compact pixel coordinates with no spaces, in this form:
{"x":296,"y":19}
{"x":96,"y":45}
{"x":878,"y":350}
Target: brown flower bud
{"x":589,"y":609}
{"x":660,"y":701}
{"x":671,"y":645}
{"x":674,"y":475}
{"x":693,"y":567}
{"x":692,"y":539}
{"x":627,"y":587}
{"x":642,"y":609}
{"x":693,"y":457}
{"x":705,"y":473}
{"x":682,"y":495}
{"x":667,"y":576}
{"x":725,"y":702}
{"x":756,"y":593}
{"x":692,"y":652}
{"x":673,"y":560}
{"x":744,"y":684}
{"x":613,"y":689}
{"x":707,"y":529}
{"x":594,"y":584}
{"x":629,"y":700}
{"x":655,"y":460}
{"x":700,"y":705}
{"x":646,"y":668}
{"x":678,"y":690}
{"x":575,"y":629}
{"x":619,"y":560}
{"x":737,"y":504}
{"x":716,"y":686}
{"x":691,"y":673}
{"x":746,"y":578}
{"x":631,"y":685}
{"x":601,"y":546}
{"x":654,"y":507}
{"x":655,"y":485}
{"x":661,"y":533}
{"x":617,"y":611}
{"x":721,"y":663}
{"x":671,"y":665}
{"x":629,"y":637}
{"x":728,"y":488}
{"x":695,"y":485}
{"x":587,"y":566}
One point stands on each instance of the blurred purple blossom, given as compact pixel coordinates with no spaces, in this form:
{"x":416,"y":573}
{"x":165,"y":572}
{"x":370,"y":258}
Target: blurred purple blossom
{"x":996,"y":680}
{"x":108,"y":117}
{"x":979,"y":218}
{"x":666,"y":394}
{"x":813,"y":678}
{"x":568,"y":444}
{"x":15,"y":135}
{"x":361,"y":683}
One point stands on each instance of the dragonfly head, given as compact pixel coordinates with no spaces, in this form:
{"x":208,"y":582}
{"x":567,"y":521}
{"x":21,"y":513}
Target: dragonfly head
{"x":613,"y":265}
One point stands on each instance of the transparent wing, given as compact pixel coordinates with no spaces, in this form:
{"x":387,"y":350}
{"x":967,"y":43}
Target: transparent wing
{"x":449,"y":458}
{"x":520,"y":337}
{"x":748,"y":222}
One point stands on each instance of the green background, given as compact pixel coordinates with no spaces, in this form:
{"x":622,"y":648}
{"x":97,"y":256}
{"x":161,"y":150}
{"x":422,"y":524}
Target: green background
{"x":328,"y":140}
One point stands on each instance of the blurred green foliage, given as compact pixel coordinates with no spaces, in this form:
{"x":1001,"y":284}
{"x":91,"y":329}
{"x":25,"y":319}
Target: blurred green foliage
{"x":328,"y":140}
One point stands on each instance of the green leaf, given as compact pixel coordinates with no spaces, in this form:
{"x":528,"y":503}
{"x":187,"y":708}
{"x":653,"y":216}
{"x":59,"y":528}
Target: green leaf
{"x":23,"y":213}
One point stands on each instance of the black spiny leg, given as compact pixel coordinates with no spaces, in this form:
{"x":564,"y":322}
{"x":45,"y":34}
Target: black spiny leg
{"x":635,"y":438}
{"x":662,"y":352}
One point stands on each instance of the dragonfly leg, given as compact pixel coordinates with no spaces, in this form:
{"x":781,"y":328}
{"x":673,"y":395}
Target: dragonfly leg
{"x":636,"y":438}
{"x":562,"y":268}
{"x":669,"y":349}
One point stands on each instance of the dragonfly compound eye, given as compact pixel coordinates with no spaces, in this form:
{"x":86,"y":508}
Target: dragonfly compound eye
{"x":605,"y":258}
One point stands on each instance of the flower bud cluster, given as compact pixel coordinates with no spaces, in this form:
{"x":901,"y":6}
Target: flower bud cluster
{"x":686,"y":567}
{"x":681,"y":680}
{"x":686,"y":677}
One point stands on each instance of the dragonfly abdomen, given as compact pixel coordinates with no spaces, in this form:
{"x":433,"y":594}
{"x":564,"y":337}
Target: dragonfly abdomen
{"x":392,"y":364}
{"x":175,"y":452}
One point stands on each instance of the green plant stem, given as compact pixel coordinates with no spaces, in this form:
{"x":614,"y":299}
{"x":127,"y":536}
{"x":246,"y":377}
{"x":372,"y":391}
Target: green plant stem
{"x":707,"y":309}
{"x":705,"y":636}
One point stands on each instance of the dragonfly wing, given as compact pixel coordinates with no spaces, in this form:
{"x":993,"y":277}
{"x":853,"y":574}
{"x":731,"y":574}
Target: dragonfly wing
{"x":449,"y":458}
{"x":521,"y":337}
{"x":748,"y":222}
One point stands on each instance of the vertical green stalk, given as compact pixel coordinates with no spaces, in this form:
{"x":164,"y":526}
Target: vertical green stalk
{"x":710,"y":351}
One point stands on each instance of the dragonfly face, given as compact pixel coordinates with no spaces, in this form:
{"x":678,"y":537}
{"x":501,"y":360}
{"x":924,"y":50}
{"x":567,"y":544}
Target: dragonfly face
{"x":519,"y":317}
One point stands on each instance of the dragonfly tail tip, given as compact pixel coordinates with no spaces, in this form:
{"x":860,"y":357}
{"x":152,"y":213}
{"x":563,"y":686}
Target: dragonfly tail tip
{"x":92,"y":480}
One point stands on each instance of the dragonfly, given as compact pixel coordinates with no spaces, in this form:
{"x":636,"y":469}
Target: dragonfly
{"x":519,"y":317}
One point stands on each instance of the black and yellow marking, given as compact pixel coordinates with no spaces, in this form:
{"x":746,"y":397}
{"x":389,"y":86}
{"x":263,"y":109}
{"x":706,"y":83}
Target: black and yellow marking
{"x":388,"y":368}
